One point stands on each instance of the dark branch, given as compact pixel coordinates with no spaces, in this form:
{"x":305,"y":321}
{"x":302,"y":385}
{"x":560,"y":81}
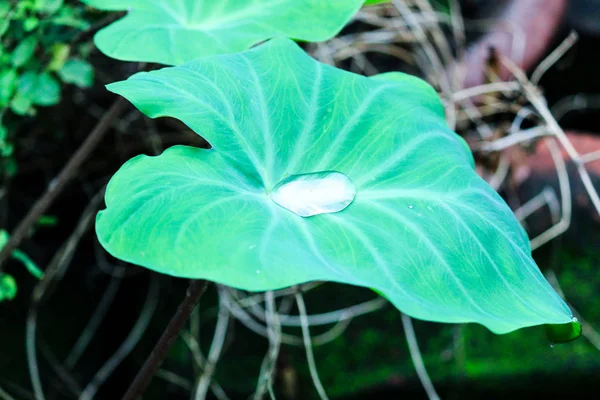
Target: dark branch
{"x":158,"y":354}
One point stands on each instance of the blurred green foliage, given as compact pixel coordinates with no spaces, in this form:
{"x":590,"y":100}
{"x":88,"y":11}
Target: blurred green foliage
{"x":38,"y":50}
{"x":8,"y":285}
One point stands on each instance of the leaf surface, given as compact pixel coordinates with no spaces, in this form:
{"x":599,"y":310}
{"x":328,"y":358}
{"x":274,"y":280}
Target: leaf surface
{"x":423,"y":229}
{"x":374,"y":2}
{"x":171,"y":32}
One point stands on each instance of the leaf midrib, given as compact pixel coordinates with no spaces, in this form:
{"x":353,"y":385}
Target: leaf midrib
{"x":223,"y":18}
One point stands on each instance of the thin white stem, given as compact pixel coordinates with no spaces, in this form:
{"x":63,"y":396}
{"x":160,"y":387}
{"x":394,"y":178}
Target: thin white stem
{"x":512,"y":139}
{"x":175,"y":379}
{"x":265,"y":381}
{"x":546,"y":197}
{"x":501,"y":173}
{"x":128,"y":344}
{"x":541,"y":107}
{"x":553,"y":57}
{"x":579,"y":101}
{"x":271,"y":393}
{"x":415,"y":354}
{"x":428,"y":48}
{"x":458,"y":32}
{"x":5,"y":396}
{"x":31,"y":351}
{"x":255,"y":298}
{"x":521,"y":116}
{"x":53,"y":276}
{"x":308,"y":347}
{"x":90,"y":329}
{"x":565,"y":194}
{"x":332,"y":317}
{"x":590,"y":157}
{"x":246,"y":319}
{"x":190,"y":340}
{"x":474,"y":115}
{"x":216,"y":346}
{"x":439,"y":38}
{"x":479,"y":90}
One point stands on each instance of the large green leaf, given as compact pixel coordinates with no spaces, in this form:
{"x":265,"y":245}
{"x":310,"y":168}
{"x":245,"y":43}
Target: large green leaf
{"x":171,"y":32}
{"x":423,"y":229}
{"x":373,"y":2}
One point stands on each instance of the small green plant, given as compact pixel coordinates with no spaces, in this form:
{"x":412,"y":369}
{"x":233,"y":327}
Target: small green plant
{"x":35,"y":55}
{"x":8,"y":285}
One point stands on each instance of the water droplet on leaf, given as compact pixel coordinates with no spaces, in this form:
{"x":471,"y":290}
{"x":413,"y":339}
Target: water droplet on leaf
{"x":315,"y":193}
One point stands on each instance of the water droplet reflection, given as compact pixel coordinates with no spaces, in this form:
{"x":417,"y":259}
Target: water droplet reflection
{"x":315,"y":193}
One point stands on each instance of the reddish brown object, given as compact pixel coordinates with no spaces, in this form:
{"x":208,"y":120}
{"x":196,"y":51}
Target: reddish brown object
{"x":538,"y":20}
{"x":540,"y":161}
{"x":531,"y":173}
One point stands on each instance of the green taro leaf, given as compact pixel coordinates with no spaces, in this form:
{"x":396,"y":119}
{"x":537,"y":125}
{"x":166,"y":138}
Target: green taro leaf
{"x":373,"y":2}
{"x":421,"y":227}
{"x":172,"y":32}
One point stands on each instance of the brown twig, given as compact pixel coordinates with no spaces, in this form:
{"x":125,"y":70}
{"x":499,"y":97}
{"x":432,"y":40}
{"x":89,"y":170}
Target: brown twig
{"x":59,"y":183}
{"x":156,"y":357}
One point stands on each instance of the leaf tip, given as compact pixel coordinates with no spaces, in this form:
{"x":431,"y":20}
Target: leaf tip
{"x":563,"y":333}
